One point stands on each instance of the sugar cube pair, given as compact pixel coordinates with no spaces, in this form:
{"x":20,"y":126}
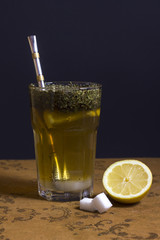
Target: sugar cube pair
{"x":100,"y":203}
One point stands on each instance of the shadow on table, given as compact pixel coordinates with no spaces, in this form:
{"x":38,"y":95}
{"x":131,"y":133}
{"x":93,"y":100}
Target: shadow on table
{"x":18,"y":187}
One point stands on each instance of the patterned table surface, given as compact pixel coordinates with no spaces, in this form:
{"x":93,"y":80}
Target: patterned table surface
{"x":26,"y":216}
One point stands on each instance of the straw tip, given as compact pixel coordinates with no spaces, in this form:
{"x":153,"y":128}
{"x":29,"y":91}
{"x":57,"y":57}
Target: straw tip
{"x":31,"y":37}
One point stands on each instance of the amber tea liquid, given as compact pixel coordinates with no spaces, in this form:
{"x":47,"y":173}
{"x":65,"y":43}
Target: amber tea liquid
{"x":65,"y":119}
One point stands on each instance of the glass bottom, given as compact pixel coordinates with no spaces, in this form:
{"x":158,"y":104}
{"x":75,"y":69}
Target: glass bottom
{"x":64,"y":196}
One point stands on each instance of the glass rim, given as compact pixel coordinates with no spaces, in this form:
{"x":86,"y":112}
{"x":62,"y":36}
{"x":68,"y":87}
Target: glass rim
{"x":77,"y":85}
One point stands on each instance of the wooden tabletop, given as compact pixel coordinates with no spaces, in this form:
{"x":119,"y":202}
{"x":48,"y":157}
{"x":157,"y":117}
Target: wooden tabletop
{"x":26,"y":216}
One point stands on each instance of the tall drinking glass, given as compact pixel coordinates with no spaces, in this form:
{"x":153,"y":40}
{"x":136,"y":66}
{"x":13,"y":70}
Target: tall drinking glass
{"x":65,"y":118}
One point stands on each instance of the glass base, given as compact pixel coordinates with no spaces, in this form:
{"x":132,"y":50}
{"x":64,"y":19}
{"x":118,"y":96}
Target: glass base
{"x":64,"y":196}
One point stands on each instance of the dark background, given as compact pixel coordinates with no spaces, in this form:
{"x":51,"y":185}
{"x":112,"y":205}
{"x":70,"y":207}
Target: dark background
{"x":116,"y":43}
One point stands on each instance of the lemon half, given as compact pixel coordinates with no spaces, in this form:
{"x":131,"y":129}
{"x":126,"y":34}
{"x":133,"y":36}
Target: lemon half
{"x":127,"y":181}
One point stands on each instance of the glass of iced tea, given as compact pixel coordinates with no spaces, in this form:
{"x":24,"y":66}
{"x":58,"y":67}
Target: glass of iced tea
{"x":65,"y":118}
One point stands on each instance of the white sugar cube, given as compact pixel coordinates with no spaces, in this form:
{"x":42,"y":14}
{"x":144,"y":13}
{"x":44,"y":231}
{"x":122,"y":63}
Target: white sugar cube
{"x":101,"y":203}
{"x":87,"y":204}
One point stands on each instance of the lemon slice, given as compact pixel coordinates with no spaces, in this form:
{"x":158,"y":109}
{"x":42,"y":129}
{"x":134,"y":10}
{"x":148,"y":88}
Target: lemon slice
{"x":52,"y":118}
{"x":127,"y":181}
